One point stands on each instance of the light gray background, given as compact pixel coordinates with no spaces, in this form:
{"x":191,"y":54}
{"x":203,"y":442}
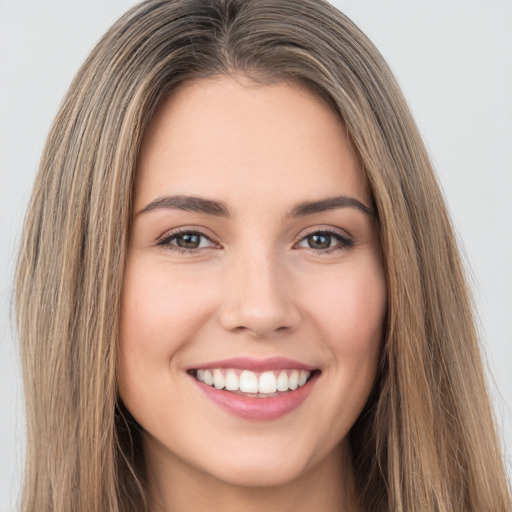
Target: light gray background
{"x":453,"y":59}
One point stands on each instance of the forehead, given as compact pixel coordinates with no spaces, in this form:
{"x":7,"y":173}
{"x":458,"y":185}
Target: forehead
{"x":232,"y":137}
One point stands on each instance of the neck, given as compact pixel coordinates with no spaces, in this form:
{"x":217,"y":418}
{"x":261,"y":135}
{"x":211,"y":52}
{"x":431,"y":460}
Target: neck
{"x":175,"y":486}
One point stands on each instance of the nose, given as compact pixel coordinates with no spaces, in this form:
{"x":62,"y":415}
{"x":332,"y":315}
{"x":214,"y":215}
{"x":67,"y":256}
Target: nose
{"x":259,"y":298}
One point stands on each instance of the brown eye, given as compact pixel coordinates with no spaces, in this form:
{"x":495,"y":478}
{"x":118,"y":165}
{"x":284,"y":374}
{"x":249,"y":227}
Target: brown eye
{"x":325,"y":241}
{"x":319,"y":241}
{"x":188,"y":240}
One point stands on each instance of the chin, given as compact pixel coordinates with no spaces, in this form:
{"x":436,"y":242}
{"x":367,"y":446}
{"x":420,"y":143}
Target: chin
{"x":265,"y":465}
{"x":259,"y":473}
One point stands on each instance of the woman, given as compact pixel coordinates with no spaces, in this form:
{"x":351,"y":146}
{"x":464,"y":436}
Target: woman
{"x":238,"y":286}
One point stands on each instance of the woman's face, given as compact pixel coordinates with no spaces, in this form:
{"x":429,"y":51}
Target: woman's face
{"x":253,"y":264}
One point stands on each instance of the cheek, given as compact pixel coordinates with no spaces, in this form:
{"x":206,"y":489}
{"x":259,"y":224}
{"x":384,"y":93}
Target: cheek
{"x":159,"y":315}
{"x":159,"y":310}
{"x":353,"y":323}
{"x":350,"y":310}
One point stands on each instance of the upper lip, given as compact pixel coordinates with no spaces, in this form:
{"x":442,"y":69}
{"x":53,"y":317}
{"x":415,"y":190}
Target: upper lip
{"x":256,"y":365}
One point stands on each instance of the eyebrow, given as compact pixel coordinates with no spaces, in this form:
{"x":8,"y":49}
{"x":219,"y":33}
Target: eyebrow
{"x":330,"y":203}
{"x":219,"y":209}
{"x":188,"y":204}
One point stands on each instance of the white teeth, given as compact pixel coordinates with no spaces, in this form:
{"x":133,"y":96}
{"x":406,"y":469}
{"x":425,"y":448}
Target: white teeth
{"x":218,"y":379}
{"x":248,"y":382}
{"x":293,"y":380}
{"x":282,"y":381}
{"x":208,"y":378}
{"x":267,"y":382}
{"x":232,"y":382}
{"x":303,"y":377}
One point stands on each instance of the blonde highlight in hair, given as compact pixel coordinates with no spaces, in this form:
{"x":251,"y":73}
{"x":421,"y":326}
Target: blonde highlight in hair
{"x":426,"y":439}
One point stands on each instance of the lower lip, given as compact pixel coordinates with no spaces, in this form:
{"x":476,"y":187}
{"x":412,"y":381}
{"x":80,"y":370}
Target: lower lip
{"x":261,"y":409}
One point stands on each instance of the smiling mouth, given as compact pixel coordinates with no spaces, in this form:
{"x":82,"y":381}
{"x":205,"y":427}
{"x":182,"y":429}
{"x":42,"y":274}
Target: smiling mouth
{"x":248,"y":383}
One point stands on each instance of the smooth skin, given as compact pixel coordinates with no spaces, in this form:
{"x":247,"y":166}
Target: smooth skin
{"x":250,"y":276}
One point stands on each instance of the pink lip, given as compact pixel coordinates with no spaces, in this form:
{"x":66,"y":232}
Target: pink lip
{"x":253,"y":408}
{"x":256,"y":365}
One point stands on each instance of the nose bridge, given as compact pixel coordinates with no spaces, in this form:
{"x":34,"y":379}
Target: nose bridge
{"x":258,"y":298}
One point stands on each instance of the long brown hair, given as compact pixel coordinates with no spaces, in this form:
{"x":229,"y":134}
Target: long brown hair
{"x":426,"y":439}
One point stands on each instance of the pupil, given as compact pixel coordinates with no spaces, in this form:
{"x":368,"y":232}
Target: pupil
{"x":188,"y":241}
{"x":319,"y":241}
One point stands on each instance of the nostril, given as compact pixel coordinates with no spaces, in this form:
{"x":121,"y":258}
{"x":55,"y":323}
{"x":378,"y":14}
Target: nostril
{"x":260,"y":323}
{"x":260,"y":303}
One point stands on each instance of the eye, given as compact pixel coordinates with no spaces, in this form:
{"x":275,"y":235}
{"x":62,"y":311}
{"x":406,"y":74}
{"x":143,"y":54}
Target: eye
{"x":325,"y":241}
{"x":186,"y":241}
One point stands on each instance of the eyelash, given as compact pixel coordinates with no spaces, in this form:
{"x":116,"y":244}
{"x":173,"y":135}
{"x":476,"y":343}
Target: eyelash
{"x":166,"y":240}
{"x":343,"y":241}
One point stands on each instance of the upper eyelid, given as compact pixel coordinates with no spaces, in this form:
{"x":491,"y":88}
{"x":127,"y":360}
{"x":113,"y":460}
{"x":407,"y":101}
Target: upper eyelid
{"x":344,"y":239}
{"x":185,"y":229}
{"x":325,"y":229}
